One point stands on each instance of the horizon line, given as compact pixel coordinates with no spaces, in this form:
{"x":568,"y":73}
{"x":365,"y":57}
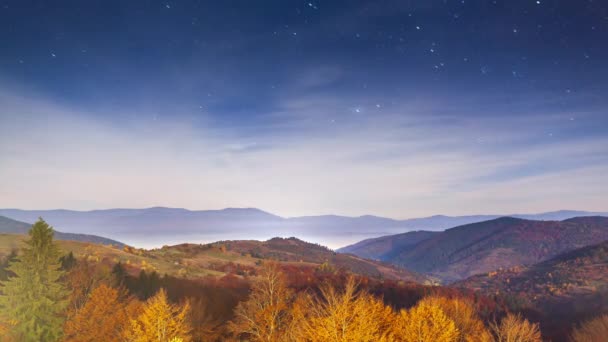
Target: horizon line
{"x":317,"y":215}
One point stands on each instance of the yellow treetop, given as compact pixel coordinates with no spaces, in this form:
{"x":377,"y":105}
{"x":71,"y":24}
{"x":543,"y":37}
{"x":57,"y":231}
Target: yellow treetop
{"x":161,"y":321}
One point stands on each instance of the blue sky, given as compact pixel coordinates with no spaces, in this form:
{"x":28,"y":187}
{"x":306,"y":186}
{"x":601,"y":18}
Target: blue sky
{"x":395,"y":108}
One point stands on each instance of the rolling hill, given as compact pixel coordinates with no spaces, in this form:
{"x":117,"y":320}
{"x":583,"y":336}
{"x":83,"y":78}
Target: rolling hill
{"x":486,"y":246}
{"x":11,"y":226}
{"x":297,"y":253}
{"x":226,"y":257}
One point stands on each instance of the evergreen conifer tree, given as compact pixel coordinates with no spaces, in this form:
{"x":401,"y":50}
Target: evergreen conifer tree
{"x":32,"y":301}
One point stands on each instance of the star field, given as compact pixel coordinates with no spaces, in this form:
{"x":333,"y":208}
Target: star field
{"x":516,"y":87}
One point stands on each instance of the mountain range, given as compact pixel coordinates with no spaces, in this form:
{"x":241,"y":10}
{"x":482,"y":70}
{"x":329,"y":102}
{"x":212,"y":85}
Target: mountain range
{"x":153,"y":227}
{"x":482,"y":247}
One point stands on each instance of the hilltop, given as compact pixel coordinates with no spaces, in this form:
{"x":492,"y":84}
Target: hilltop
{"x":290,"y":251}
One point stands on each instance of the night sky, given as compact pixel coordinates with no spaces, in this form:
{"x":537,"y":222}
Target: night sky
{"x":394,"y":108}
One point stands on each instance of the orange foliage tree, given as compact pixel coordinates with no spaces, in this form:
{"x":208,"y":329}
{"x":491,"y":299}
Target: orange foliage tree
{"x":514,"y":328}
{"x":205,"y":323}
{"x":595,"y":330}
{"x":5,"y":329}
{"x":160,"y":321}
{"x":462,"y":312}
{"x":346,"y":315}
{"x":104,"y":317}
{"x":425,"y":322}
{"x":82,"y":279}
{"x":264,"y":316}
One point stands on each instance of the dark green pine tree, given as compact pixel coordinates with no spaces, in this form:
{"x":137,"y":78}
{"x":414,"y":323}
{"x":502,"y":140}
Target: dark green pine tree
{"x":119,"y":274}
{"x":67,"y":261}
{"x":4,"y":273}
{"x":33,"y":300}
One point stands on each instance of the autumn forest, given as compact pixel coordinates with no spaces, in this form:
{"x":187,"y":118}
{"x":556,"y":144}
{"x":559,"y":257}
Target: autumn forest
{"x":50,"y":295}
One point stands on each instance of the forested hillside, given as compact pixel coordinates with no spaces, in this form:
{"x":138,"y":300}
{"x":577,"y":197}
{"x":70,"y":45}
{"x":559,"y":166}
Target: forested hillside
{"x":486,"y":246}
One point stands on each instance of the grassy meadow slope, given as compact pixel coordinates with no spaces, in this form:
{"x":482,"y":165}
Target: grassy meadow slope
{"x":240,"y":258}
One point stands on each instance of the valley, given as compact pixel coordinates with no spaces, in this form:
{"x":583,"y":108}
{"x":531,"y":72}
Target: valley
{"x":551,"y":271}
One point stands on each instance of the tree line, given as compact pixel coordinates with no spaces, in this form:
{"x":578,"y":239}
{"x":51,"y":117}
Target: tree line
{"x":47,"y":296}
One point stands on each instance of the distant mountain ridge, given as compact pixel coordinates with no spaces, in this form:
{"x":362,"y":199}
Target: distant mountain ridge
{"x":247,"y":223}
{"x":10,"y":226}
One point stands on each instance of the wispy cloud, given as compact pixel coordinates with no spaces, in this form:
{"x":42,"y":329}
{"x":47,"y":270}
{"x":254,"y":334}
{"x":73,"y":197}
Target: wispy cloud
{"x":312,"y":154}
